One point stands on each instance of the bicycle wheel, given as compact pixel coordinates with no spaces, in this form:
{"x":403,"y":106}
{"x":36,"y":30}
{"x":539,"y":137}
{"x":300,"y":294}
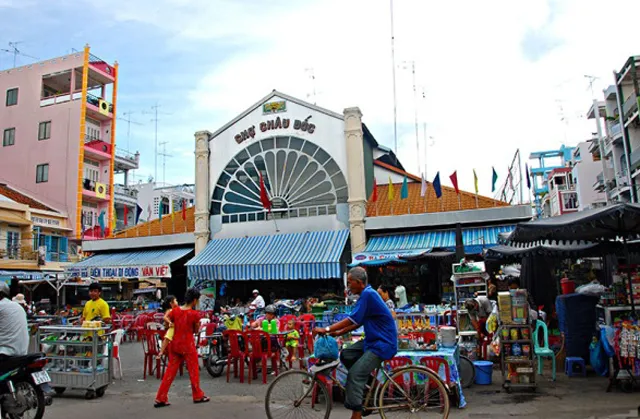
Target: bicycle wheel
{"x":413,"y":392}
{"x":296,"y":394}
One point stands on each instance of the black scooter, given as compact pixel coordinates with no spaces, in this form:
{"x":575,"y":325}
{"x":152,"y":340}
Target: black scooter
{"x":24,"y":386}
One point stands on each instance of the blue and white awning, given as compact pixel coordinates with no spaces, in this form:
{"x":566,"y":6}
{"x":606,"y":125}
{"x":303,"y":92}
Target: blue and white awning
{"x":138,"y":264}
{"x":390,"y":248}
{"x":309,"y":255}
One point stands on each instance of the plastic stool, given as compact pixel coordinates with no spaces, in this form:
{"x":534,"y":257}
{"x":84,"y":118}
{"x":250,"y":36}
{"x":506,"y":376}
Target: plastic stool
{"x":574,"y":365}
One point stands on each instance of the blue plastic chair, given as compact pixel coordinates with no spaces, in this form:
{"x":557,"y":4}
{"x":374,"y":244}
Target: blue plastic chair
{"x":543,"y":351}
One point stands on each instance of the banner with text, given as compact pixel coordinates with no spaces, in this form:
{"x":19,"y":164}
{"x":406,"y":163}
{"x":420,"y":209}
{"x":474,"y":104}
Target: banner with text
{"x":129,"y":272}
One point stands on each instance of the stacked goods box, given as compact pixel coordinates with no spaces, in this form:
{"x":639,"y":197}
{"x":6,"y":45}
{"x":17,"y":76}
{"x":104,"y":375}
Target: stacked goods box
{"x":519,"y":306}
{"x":504,"y":307}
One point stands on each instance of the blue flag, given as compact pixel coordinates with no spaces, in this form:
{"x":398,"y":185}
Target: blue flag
{"x":138,"y":212}
{"x":404,"y":192}
{"x":436,"y":185}
{"x":526,"y":169}
{"x":101,"y":220}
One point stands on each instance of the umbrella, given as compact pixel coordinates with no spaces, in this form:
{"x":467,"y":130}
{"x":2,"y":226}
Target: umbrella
{"x":610,"y":223}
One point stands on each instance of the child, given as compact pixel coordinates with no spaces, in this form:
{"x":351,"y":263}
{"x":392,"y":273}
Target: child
{"x":168,"y":304}
{"x":291,"y":341}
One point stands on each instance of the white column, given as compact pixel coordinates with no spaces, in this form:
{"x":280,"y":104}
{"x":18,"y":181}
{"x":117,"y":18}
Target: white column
{"x":202,"y":190}
{"x":355,"y":177}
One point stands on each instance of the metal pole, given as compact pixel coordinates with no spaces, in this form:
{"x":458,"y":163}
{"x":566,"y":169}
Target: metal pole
{"x":155,"y":177}
{"x":520,"y":171}
{"x":415,"y":110}
{"x":393,"y":69}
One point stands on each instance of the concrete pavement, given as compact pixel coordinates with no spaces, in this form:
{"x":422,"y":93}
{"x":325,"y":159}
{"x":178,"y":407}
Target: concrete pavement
{"x":574,"y":398}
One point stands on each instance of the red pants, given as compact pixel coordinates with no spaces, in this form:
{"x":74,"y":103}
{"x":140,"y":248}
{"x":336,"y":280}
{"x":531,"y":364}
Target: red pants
{"x":175,"y":360}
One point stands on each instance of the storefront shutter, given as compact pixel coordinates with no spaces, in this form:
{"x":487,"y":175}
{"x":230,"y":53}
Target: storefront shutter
{"x":64,"y":249}
{"x":47,"y":243}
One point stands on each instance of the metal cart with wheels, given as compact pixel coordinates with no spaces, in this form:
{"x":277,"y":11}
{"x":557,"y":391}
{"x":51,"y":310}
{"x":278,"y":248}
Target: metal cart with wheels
{"x":79,"y":358}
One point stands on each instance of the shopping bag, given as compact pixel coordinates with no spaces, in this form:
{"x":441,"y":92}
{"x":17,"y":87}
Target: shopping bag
{"x":598,"y":358}
{"x":326,"y":348}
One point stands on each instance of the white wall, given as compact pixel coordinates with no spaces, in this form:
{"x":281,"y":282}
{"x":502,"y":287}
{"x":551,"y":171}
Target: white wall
{"x":584,"y":174}
{"x":328,"y":134}
{"x":382,"y":176}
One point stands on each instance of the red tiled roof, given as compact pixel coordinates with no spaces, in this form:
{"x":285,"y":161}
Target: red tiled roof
{"x":23,"y":199}
{"x":415,"y":204}
{"x":162,"y":228}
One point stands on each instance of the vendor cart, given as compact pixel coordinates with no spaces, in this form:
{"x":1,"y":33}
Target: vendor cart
{"x":79,"y":358}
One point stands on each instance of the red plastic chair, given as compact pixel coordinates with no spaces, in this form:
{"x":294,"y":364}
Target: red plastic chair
{"x":254,"y":341}
{"x":235,"y":354}
{"x":151,"y":339}
{"x":328,"y":383}
{"x":397,"y":362}
{"x":284,"y":322}
{"x":435,"y":364}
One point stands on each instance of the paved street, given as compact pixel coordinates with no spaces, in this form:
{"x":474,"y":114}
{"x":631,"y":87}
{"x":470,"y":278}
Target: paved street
{"x":574,"y":398}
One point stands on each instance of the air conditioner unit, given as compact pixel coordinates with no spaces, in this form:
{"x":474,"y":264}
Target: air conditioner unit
{"x":103,"y":107}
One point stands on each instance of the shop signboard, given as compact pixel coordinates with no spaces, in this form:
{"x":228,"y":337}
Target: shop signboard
{"x":45,"y":222}
{"x":381,"y":256}
{"x":274,"y":107}
{"x":129,"y":272}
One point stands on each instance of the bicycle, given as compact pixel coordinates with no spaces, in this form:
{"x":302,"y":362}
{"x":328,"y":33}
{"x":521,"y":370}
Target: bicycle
{"x":408,"y":391}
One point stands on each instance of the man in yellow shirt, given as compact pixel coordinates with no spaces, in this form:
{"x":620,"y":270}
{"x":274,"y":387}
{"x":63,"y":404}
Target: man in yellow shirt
{"x":96,"y":307}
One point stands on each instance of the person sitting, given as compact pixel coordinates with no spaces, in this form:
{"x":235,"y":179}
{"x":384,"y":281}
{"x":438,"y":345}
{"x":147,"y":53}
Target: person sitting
{"x":258,"y":301}
{"x":479,"y":309}
{"x":380,"y":342}
{"x":14,"y":332}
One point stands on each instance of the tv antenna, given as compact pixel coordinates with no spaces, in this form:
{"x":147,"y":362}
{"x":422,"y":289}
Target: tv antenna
{"x":592,"y":79}
{"x":164,"y":155}
{"x":154,"y":111}
{"x":15,"y":51}
{"x":312,"y":76}
{"x":126,"y":117}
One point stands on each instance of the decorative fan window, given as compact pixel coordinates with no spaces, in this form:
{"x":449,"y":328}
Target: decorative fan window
{"x":302,"y":180}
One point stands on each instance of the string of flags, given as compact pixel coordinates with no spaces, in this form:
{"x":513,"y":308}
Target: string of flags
{"x":437,"y":186}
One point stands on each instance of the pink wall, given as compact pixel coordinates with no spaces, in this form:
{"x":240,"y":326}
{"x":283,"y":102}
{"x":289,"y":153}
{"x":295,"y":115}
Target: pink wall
{"x":18,"y":162}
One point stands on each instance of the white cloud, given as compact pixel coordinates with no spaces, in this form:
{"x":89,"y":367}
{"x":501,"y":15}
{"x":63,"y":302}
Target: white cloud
{"x":485,"y":97}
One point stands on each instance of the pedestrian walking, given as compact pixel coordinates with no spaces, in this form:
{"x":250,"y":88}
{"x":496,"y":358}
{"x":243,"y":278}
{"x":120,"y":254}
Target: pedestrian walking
{"x":186,"y":322}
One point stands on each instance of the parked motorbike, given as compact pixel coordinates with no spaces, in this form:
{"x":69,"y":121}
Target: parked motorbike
{"x":24,"y":387}
{"x":217,"y":359}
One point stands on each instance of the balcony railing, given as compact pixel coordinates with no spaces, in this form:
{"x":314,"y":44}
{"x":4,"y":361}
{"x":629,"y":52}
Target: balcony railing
{"x":101,"y":64}
{"x":18,"y":253}
{"x":565,"y":187}
{"x":90,"y":185}
{"x":92,"y":138}
{"x":128,"y":192}
{"x":630,"y":106}
{"x":95,"y":101}
{"x":126,"y":155}
{"x":615,"y":129}
{"x":635,"y":160}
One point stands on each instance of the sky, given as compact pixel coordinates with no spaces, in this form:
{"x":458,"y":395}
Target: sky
{"x":498,"y":75}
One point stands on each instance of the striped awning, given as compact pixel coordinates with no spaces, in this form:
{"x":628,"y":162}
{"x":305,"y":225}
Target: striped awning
{"x":137,"y":264}
{"x":309,"y":255}
{"x":393,"y":247}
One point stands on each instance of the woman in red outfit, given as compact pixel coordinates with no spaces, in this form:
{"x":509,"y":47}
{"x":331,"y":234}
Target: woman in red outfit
{"x":186,"y":321}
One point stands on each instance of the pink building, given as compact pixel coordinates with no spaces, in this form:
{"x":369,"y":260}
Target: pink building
{"x":57,"y":120}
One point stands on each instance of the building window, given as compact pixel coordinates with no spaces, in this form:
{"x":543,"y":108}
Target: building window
{"x":44,"y":131}
{"x":12,"y":97}
{"x":13,"y":244}
{"x":42,"y":173}
{"x":9,"y":137}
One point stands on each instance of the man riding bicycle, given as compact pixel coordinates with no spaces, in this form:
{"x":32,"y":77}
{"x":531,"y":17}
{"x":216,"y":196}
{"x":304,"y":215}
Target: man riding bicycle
{"x":380,"y":341}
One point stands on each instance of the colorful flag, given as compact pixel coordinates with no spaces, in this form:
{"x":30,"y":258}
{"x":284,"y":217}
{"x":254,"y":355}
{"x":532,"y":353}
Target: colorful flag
{"x":264,"y":197}
{"x":184,"y":209}
{"x":114,"y":221}
{"x":126,"y":215}
{"x":423,"y":189}
{"x":390,"y":191}
{"x":149,"y":212}
{"x":454,"y":181}
{"x":526,"y":170}
{"x":374,"y":194}
{"x":494,"y":180}
{"x":171,"y":210}
{"x":436,"y":185}
{"x":475,"y":180}
{"x":404,"y":192}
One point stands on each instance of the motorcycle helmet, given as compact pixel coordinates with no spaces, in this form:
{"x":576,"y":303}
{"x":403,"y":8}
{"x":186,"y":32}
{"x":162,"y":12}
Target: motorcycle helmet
{"x":271,"y":309}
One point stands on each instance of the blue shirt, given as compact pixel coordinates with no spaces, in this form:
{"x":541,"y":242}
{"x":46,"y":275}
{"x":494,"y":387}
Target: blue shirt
{"x":380,"y":332}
